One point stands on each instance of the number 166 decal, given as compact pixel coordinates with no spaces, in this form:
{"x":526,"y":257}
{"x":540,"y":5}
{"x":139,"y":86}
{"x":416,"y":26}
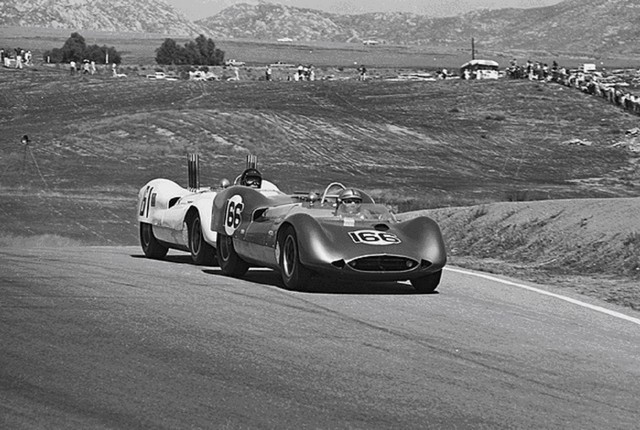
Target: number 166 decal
{"x":374,"y":237}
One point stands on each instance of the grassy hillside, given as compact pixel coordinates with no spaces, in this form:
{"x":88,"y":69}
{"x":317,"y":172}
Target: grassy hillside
{"x":587,"y":245}
{"x":414,"y":145}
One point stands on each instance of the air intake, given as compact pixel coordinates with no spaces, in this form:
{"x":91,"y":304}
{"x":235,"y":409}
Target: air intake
{"x":383,"y":263}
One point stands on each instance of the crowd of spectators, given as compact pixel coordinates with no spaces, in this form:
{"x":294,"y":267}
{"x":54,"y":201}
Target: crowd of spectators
{"x":304,"y":73}
{"x":600,"y":84}
{"x":17,"y":57}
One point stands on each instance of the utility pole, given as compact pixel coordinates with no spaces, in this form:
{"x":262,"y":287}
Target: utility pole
{"x":473,"y":49}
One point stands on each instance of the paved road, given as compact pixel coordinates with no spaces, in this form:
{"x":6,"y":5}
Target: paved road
{"x":99,"y":337}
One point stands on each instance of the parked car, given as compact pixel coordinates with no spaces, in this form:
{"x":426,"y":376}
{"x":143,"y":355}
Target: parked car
{"x":234,"y":63}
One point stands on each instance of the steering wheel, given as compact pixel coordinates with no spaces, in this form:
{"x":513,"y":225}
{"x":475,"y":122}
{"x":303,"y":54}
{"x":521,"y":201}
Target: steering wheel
{"x":331,"y":188}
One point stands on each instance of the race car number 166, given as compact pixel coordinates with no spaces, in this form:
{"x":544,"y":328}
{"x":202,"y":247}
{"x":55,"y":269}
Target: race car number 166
{"x":373,"y":237}
{"x":233,"y":214}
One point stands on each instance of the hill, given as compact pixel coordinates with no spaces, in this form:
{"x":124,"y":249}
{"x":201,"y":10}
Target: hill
{"x":591,"y":246}
{"x":141,"y":16}
{"x":474,"y":152}
{"x":600,"y":28}
{"x":573,"y":26}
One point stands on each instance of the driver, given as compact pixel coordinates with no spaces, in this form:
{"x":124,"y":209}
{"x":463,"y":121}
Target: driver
{"x":350,"y":201}
{"x":251,"y":178}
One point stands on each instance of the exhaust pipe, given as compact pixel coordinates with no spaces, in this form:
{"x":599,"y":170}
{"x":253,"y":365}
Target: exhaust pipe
{"x":193,"y":162}
{"x":252,"y":162}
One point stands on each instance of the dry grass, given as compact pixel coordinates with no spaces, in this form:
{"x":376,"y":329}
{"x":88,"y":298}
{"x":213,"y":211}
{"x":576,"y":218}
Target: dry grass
{"x":414,"y":145}
{"x":40,"y":241}
{"x":582,"y":243}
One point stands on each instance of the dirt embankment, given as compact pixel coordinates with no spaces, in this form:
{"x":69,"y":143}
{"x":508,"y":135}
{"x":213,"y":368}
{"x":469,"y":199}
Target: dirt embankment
{"x":589,"y":245}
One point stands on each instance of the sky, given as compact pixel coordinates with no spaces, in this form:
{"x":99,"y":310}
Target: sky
{"x":197,"y":9}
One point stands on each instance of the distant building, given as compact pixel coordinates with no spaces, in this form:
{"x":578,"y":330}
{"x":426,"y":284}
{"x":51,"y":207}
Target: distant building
{"x":480,"y":69}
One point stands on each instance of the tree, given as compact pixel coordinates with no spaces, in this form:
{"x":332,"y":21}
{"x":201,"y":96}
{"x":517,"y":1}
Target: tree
{"x":208,"y":51}
{"x":53,"y":56}
{"x":202,"y":51}
{"x":192,"y":54}
{"x":114,"y":56}
{"x":76,"y":49}
{"x":168,"y":52}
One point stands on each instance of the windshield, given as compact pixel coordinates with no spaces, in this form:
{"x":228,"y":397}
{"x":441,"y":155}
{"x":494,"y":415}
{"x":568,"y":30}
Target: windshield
{"x":365,"y":211}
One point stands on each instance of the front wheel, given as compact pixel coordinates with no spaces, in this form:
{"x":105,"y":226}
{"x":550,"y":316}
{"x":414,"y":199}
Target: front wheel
{"x":427,"y":284}
{"x":230,"y":262}
{"x":294,"y":275}
{"x":151,"y":247}
{"x":201,"y":252}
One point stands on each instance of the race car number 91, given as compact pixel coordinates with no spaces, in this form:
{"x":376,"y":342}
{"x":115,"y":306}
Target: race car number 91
{"x":374,"y":237}
{"x":233,"y":213}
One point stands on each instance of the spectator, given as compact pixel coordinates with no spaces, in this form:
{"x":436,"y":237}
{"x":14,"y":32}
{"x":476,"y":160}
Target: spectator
{"x":363,"y":72}
{"x":19,"y":56}
{"x":72,"y":67}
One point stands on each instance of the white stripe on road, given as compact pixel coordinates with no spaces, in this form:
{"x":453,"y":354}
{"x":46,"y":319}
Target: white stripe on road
{"x":547,"y":293}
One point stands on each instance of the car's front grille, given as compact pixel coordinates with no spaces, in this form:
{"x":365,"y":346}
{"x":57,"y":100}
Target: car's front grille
{"x":382,"y":263}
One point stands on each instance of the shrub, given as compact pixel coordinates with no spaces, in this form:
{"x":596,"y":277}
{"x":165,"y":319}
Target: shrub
{"x":76,"y":49}
{"x":201,"y":51}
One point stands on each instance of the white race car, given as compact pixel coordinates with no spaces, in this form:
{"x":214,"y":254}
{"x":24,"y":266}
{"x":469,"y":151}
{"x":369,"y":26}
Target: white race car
{"x":171,"y":216}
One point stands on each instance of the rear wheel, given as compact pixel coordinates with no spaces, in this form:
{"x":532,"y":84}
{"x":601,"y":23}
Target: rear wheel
{"x":294,"y":275}
{"x":427,"y":284}
{"x":228,"y":259}
{"x":201,"y":252}
{"x":151,"y":247}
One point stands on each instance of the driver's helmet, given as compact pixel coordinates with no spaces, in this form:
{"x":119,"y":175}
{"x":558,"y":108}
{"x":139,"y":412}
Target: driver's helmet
{"x":350,"y":200}
{"x":251,"y":178}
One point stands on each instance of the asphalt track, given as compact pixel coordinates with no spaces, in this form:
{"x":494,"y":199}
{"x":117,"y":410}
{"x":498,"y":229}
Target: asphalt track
{"x":99,"y":337}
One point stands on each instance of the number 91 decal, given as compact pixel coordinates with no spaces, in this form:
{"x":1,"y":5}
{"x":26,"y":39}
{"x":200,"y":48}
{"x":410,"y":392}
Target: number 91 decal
{"x":374,"y":237}
{"x":233,"y":214}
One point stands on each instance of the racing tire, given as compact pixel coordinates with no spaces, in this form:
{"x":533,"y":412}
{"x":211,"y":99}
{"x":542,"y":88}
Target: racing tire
{"x":201,"y":252}
{"x":294,"y":275}
{"x":427,"y":284}
{"x":151,"y":247}
{"x":230,"y":262}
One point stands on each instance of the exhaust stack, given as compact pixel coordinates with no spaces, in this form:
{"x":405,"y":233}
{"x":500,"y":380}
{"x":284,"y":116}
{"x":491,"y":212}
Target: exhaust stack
{"x":193,"y":161}
{"x":252,"y":162}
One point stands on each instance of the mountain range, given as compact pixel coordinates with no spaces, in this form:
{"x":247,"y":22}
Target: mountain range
{"x":573,"y":26}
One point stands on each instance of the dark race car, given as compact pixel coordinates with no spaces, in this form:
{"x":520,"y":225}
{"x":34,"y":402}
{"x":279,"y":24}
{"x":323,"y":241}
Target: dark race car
{"x":342,"y":233}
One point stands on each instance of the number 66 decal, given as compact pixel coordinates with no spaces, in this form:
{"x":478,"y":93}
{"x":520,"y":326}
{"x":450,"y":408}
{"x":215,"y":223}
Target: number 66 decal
{"x":374,"y":237}
{"x":233,"y":214}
